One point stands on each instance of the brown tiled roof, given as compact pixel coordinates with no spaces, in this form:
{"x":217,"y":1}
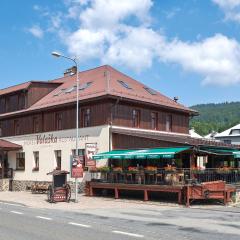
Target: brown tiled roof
{"x":104,"y":82}
{"x":6,"y":145}
{"x":23,"y":86}
{"x":15,"y":88}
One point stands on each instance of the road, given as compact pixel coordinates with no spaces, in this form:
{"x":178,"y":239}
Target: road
{"x":23,"y":223}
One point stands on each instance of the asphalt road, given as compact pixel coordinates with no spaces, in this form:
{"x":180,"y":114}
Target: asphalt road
{"x":23,"y":223}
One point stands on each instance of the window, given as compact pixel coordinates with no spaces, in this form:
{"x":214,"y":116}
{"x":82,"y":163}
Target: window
{"x":81,"y":152}
{"x":20,"y":161}
{"x":58,"y":158}
{"x":36,"y":124}
{"x":36,"y":161}
{"x":136,"y":118}
{"x":21,"y":101}
{"x":124,"y":84}
{"x":71,"y":89}
{"x":86,"y":117}
{"x":85,"y":85}
{"x":227,"y":141}
{"x":154,"y":120}
{"x":58,"y":123}
{"x":169,"y":123}
{"x":235,"y":132}
{"x":16,"y":127}
{"x":151,"y":91}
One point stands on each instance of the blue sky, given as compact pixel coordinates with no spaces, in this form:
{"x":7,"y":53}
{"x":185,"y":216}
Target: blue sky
{"x":189,"y":49}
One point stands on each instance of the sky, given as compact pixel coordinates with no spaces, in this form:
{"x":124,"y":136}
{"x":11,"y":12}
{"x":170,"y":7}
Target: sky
{"x":189,"y":49}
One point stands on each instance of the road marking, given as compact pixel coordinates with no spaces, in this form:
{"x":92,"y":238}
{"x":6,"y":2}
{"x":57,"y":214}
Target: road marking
{"x":15,"y":212}
{"x":12,"y":204}
{"x":79,"y":225}
{"x":129,"y":234}
{"x":45,"y":218}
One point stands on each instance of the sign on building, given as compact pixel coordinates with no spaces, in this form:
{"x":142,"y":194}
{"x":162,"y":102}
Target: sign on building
{"x":90,"y":150}
{"x":77,"y":167}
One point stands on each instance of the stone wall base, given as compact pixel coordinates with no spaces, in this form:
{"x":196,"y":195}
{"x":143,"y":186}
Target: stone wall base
{"x":4,"y":185}
{"x":26,"y":185}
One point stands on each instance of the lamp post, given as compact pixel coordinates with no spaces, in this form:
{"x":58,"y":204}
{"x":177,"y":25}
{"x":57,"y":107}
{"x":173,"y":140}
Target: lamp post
{"x":56,"y":54}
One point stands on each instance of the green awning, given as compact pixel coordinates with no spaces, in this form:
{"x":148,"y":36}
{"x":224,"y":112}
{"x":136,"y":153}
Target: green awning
{"x":115,"y":154}
{"x":153,"y":153}
{"x":221,"y":151}
{"x":236,"y":154}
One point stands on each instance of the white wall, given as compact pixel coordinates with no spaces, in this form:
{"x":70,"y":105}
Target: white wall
{"x":59,"y":140}
{"x":234,"y":140}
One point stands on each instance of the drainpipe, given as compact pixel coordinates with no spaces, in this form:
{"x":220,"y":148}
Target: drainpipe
{"x":111,"y":122}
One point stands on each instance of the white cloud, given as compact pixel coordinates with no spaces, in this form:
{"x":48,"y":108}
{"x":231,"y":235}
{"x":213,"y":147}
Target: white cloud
{"x":120,"y":33}
{"x":216,"y":58}
{"x":36,"y":31}
{"x":108,"y":13}
{"x":231,"y":9}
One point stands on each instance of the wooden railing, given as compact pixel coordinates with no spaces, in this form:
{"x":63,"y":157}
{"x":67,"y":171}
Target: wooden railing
{"x":8,"y":173}
{"x":168,"y":177}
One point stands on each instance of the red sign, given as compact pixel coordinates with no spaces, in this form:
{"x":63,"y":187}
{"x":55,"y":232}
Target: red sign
{"x":90,"y":150}
{"x":77,"y":167}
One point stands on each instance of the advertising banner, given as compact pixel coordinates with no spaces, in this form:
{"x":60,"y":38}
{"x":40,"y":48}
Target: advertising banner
{"x":90,"y":150}
{"x":77,"y":167}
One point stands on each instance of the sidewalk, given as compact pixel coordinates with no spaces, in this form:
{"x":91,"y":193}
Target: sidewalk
{"x":40,"y":201}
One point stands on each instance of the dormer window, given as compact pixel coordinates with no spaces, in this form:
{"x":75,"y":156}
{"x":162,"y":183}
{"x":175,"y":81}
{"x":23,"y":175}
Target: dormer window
{"x":235,"y":132}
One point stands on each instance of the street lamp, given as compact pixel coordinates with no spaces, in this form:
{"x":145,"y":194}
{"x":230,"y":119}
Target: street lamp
{"x":56,"y":54}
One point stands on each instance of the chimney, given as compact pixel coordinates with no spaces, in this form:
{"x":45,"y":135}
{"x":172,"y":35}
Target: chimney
{"x":70,"y":71}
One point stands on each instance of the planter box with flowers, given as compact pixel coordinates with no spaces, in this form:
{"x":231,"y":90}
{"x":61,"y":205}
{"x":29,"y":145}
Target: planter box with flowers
{"x":170,"y":169}
{"x":132,"y":170}
{"x":117,"y":170}
{"x":224,"y":170}
{"x":150,"y":169}
{"x":103,"y":169}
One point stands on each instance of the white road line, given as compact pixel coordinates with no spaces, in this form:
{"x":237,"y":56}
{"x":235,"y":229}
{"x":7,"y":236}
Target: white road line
{"x":15,"y":212}
{"x":129,"y":234}
{"x":12,"y":204}
{"x":45,"y":218}
{"x":79,"y":225}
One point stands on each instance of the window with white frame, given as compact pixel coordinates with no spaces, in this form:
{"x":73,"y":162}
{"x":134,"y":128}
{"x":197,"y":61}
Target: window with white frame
{"x":58,"y":159}
{"x":36,"y":161}
{"x":20,"y":161}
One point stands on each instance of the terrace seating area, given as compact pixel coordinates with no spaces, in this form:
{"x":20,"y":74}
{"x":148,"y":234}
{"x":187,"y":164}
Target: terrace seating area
{"x":210,"y":172}
{"x":168,"y":176}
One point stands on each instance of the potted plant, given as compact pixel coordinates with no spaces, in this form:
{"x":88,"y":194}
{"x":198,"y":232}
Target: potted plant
{"x":132,"y":170}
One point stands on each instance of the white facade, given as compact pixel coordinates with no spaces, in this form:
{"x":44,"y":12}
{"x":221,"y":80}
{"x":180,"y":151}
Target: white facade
{"x":231,"y":135}
{"x":47,"y":143}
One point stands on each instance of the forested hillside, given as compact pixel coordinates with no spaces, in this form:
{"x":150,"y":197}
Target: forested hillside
{"x":215,"y":117}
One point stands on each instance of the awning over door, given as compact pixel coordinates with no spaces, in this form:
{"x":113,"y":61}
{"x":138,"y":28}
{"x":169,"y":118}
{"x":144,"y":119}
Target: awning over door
{"x":153,"y":153}
{"x":8,"y":146}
